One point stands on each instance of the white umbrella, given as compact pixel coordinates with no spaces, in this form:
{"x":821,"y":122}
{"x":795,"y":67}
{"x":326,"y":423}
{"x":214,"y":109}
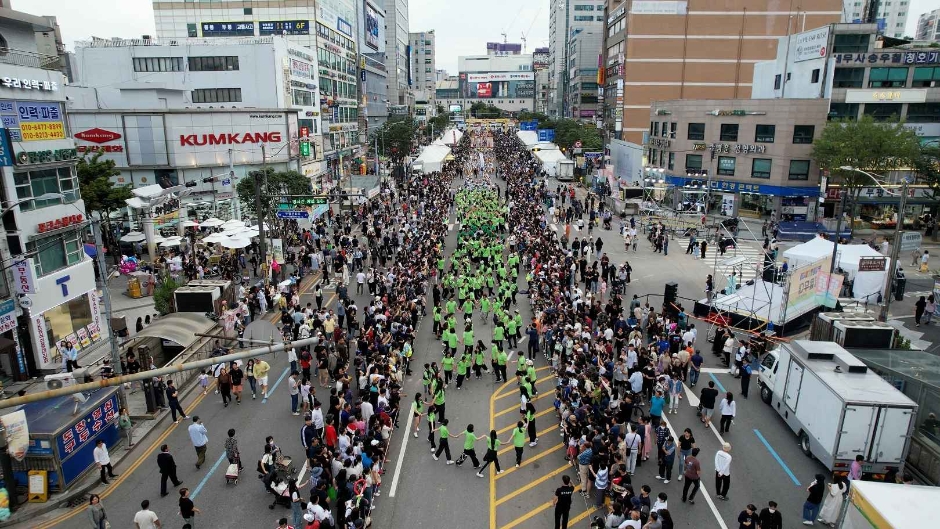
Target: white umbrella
{"x":190,"y":224}
{"x":232,"y":232}
{"x":133,"y":236}
{"x":157,"y":239}
{"x":235,"y":242}
{"x":215,"y":238}
{"x":234,"y":223}
{"x":172,"y":241}
{"x":250,"y":232}
{"x":212,"y":222}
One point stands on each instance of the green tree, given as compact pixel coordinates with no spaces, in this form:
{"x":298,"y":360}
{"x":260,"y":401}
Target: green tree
{"x":101,"y":196}
{"x":274,"y":185}
{"x":927,"y":169}
{"x":483,"y":110}
{"x":867,"y":145}
{"x":396,"y":138}
{"x":163,"y":296}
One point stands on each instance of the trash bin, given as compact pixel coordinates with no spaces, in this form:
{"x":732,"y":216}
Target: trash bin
{"x":899,"y":285}
{"x":133,"y":288}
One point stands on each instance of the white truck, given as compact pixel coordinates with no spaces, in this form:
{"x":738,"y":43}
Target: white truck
{"x":875,"y":505}
{"x":837,"y":407}
{"x":565,"y":171}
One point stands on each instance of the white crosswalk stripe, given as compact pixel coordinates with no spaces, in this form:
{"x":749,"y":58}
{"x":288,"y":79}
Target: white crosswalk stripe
{"x":752,"y":252}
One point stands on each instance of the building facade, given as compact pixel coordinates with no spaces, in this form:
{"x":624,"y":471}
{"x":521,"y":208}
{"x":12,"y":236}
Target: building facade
{"x":582,"y":92}
{"x":566,"y":19}
{"x":47,"y":288}
{"x":223,"y":73}
{"x":503,"y":78}
{"x":696,"y":50}
{"x":749,"y":157}
{"x":373,"y":74}
{"x":928,"y":26}
{"x":540,"y":65}
{"x":398,"y":54}
{"x":423,"y":66}
{"x":889,"y":15}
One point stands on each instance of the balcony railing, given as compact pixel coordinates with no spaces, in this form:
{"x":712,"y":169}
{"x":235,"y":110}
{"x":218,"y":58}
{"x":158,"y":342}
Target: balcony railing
{"x":29,"y":59}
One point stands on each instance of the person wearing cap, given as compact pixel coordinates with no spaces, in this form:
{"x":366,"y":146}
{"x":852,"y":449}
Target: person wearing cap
{"x":531,"y":376}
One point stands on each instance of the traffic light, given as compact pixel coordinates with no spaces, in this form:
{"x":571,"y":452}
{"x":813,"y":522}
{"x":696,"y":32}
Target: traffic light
{"x":305,"y":148}
{"x":208,"y":180}
{"x":191,"y":184}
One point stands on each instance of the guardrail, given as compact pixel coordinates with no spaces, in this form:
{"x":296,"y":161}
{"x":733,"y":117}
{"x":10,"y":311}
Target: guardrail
{"x":30,"y":59}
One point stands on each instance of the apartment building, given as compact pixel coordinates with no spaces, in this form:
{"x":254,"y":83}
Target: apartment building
{"x":568,"y":18}
{"x":928,"y":26}
{"x":398,"y":55}
{"x":889,"y":15}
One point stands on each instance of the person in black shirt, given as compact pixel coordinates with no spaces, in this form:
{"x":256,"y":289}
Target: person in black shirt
{"x":770,"y":517}
{"x":747,"y":517}
{"x":707,"y":401}
{"x":237,"y":377}
{"x":562,"y":503}
{"x":172,"y":398}
{"x":187,"y":510}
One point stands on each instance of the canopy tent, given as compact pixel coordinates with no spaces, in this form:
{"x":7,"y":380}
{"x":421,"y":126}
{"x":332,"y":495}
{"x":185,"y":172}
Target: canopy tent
{"x":865,"y":285}
{"x":549,"y":159}
{"x":528,"y":137}
{"x":451,"y":137}
{"x":432,"y":158}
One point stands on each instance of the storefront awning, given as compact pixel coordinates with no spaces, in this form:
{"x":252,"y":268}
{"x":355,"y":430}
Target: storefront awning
{"x":179,"y":327}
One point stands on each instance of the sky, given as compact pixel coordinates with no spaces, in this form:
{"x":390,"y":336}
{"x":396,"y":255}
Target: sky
{"x":461,"y":28}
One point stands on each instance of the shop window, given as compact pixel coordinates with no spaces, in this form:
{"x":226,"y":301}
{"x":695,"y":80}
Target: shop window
{"x":726,"y":165}
{"x":41,"y":181}
{"x":693,"y":162}
{"x":799,"y":170}
{"x":848,"y":77}
{"x":803,"y":134}
{"x":696,"y":131}
{"x":848,"y":111}
{"x":764,"y":133}
{"x":883,"y":111}
{"x":887,"y":78}
{"x":672,"y":161}
{"x":926,"y":77}
{"x":729,"y":132}
{"x":760,"y":167}
{"x":923,"y":113}
{"x":56,"y":252}
{"x":66,"y":319}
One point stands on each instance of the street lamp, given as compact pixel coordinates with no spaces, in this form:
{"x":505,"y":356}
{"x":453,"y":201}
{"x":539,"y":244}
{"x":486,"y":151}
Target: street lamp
{"x":895,"y":245}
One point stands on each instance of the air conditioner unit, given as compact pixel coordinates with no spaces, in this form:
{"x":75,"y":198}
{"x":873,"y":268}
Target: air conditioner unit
{"x":822,"y":330}
{"x":59,"y":380}
{"x":863,"y":334}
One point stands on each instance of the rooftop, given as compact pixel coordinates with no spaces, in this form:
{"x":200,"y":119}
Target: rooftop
{"x":117,"y":42}
{"x":30,"y":59}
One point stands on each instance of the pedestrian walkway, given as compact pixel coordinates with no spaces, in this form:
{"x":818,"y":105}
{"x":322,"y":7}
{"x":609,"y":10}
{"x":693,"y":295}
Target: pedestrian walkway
{"x":722,"y":264}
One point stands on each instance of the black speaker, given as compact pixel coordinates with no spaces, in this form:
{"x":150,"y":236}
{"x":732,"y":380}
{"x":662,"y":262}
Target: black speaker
{"x":671,"y":294}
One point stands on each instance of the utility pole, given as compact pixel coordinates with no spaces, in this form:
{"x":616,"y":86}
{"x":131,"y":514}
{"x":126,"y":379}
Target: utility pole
{"x":236,"y":207}
{"x":260,"y":178}
{"x":835,"y":247}
{"x":895,"y":247}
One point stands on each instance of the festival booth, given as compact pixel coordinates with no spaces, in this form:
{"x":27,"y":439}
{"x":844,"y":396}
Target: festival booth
{"x":865,"y":269}
{"x":432,"y":158}
{"x":549,"y":159}
{"x":451,"y":137}
{"x":528,"y":137}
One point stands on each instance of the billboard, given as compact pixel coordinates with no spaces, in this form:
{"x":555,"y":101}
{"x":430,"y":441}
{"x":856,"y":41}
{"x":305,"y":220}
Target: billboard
{"x":811,"y":44}
{"x":806,"y":288}
{"x":484,"y":90}
{"x":32,"y":120}
{"x":500,"y":76}
{"x":493,"y":89}
{"x":455,"y":108}
{"x":372,"y":28}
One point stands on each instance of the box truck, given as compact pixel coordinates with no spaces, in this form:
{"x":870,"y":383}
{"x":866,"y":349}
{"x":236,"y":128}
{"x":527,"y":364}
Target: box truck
{"x":837,"y":407}
{"x":875,"y":505}
{"x":565,"y":171}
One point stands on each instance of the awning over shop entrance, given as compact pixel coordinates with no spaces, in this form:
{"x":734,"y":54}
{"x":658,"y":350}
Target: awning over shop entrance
{"x":179,"y":327}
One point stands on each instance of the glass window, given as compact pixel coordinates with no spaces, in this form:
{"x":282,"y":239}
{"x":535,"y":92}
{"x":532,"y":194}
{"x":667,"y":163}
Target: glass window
{"x":191,"y":30}
{"x":729,"y":132}
{"x":925,"y":77}
{"x":158,"y":64}
{"x":213,"y":64}
{"x":815,"y":76}
{"x":923,"y":113}
{"x":726,"y":165}
{"x":778,"y":80}
{"x":760,"y":167}
{"x":656,"y":128}
{"x":42,"y":181}
{"x":848,"y":77}
{"x":850,"y":43}
{"x":68,"y":318}
{"x":693,"y":162}
{"x":887,"y":78}
{"x":883,"y":111}
{"x":799,"y":170}
{"x":803,"y":134}
{"x":56,"y":252}
{"x":696,"y":131}
{"x":843,"y":111}
{"x":672,"y":161}
{"x":217,"y":95}
{"x":672,"y":130}
{"x":764,"y":133}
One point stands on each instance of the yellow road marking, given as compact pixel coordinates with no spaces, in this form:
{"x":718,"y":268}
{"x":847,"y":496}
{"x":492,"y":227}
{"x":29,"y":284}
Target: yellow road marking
{"x":537,"y":382}
{"x":591,"y":510}
{"x":531,"y":485}
{"x":537,"y":415}
{"x":531,"y":459}
{"x":493,"y":470}
{"x":537,"y":435}
{"x":536,"y":399}
{"x":533,"y":513}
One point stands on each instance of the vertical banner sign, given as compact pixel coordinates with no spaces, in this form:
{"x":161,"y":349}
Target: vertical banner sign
{"x":41,"y":343}
{"x":23,"y":277}
{"x":277,"y":250}
{"x":17,"y":434}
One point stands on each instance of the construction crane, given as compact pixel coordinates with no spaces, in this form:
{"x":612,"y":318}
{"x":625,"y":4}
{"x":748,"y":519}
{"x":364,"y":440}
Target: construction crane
{"x":523,"y":43}
{"x":505,"y":40}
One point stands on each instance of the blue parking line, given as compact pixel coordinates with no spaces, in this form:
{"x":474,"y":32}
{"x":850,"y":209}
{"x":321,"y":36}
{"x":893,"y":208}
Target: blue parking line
{"x":777,"y":457}
{"x":205,"y":479}
{"x":717,"y":383}
{"x":276,"y":384}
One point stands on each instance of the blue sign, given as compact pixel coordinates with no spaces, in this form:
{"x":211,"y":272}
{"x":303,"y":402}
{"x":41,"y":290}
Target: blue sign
{"x":85,"y":429}
{"x":528,"y":125}
{"x":362,"y":74}
{"x":284,"y":27}
{"x":6,"y":152}
{"x":725,"y":186}
{"x":228,"y":29}
{"x":293,"y":214}
{"x":28,"y":111}
{"x":546,"y":134}
{"x":343,"y":27}
{"x":226,"y":181}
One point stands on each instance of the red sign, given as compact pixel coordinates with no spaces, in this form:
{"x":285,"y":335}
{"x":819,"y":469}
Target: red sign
{"x":304,"y":132}
{"x":484,"y":89}
{"x":59,"y":223}
{"x":236,"y":138}
{"x":99,"y":148}
{"x":97,"y":135}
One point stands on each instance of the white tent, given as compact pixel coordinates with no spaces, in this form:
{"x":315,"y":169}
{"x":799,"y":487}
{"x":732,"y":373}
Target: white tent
{"x":451,"y":136}
{"x":866,"y":285}
{"x":549,"y":159}
{"x":432,"y":158}
{"x":528,"y":137}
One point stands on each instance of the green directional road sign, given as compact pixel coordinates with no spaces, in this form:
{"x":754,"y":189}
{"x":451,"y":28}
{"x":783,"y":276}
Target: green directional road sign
{"x":293,"y":202}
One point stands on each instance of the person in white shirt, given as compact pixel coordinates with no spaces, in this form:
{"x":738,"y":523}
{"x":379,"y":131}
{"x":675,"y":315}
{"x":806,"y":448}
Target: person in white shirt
{"x":723,"y":471}
{"x":103,"y":460}
{"x":145,"y":518}
{"x":728,"y":409}
{"x":633,"y":522}
{"x":661,"y":503}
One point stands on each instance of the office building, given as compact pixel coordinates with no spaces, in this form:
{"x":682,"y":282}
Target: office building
{"x":398,"y":55}
{"x":225,"y":72}
{"x":567,"y":18}
{"x":694,"y":50}
{"x":928,"y":26}
{"x":440,"y":75}
{"x":48,"y":293}
{"x":327,"y":26}
{"x":889,"y":15}
{"x":540,"y":65}
{"x":582,"y":90}
{"x":503,"y":77}
{"x":374,"y":79}
{"x":423,"y":65}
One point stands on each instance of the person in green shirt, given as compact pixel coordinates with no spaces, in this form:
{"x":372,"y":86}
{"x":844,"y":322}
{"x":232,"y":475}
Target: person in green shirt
{"x":501,"y":359}
{"x":468,"y":339}
{"x":432,"y":424}
{"x":447,"y":364}
{"x":452,"y":342}
{"x":418,"y":408}
{"x":469,"y":439}
{"x":462,"y":366}
{"x":520,"y":368}
{"x":468,"y":308}
{"x":436,"y":312}
{"x":518,"y":441}
{"x":511,"y":335}
{"x":492,"y":454}
{"x":531,"y":376}
{"x":444,"y":446}
{"x":498,"y":334}
{"x":484,"y":308}
{"x":451,"y":307}
{"x":479,"y":361}
{"x":439,"y":399}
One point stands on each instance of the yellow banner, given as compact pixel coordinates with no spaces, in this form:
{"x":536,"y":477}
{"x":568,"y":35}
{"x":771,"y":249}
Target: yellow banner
{"x":43,"y":130}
